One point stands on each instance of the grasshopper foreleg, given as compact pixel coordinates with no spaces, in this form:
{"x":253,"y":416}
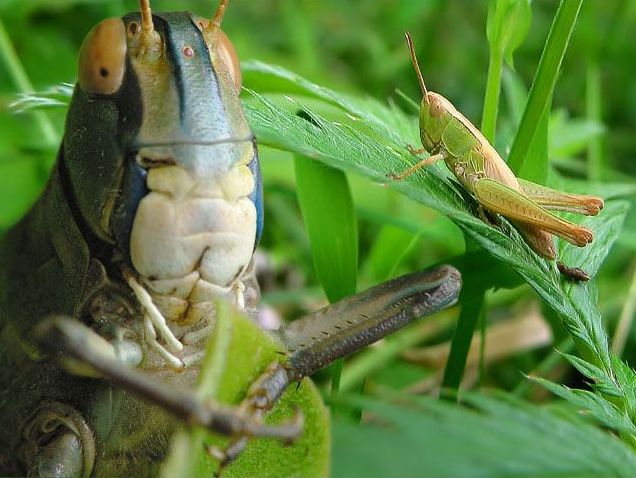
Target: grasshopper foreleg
{"x":416,"y":167}
{"x":154,"y":320}
{"x":415,"y":151}
{"x":261,"y":397}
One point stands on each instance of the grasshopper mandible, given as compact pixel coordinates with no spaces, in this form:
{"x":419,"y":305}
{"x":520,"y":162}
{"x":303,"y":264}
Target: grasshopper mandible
{"x":150,"y":217}
{"x":448,"y":135}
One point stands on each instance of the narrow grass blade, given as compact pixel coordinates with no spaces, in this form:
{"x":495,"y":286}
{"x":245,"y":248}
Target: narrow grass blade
{"x":544,"y":81}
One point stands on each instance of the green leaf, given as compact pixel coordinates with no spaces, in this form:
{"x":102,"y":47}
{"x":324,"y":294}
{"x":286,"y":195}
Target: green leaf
{"x":494,"y":438}
{"x":506,"y":28}
{"x":536,"y":170}
{"x":227,"y":379}
{"x":605,"y":412}
{"x":327,"y":207}
{"x":507,"y":25}
{"x":544,"y":81}
{"x":383,"y":260}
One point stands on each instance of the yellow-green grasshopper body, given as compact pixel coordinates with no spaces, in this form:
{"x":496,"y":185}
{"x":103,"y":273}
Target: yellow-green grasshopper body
{"x":446,"y":134}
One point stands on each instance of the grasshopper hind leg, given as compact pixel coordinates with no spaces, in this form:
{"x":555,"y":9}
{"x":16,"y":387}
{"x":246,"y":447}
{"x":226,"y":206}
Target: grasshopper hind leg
{"x":517,"y":207}
{"x":543,"y":244}
{"x":340,"y":329}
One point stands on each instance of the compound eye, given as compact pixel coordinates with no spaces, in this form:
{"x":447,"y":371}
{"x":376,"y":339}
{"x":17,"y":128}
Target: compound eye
{"x":102,"y":59}
{"x":227,"y":54}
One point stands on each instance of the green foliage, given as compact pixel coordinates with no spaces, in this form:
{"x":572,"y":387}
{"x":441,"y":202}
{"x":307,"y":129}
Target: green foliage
{"x":358,"y":47}
{"x":540,"y":96}
{"x":327,"y":206}
{"x":492,"y":438}
{"x":226,"y":379}
{"x":506,"y":28}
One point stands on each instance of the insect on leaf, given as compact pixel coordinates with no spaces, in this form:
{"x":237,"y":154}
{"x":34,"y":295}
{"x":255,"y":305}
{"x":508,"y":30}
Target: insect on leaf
{"x":376,"y":146}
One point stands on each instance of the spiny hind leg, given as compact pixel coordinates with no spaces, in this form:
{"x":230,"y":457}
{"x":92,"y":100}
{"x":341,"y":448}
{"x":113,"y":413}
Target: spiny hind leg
{"x":316,"y":340}
{"x":499,"y":198}
{"x":57,"y":442}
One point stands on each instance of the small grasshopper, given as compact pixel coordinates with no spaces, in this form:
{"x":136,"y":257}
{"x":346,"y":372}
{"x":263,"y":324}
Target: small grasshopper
{"x":109,"y":285}
{"x":447,"y":135}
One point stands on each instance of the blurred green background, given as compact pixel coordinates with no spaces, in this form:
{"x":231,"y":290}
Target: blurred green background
{"x":358,"y":47}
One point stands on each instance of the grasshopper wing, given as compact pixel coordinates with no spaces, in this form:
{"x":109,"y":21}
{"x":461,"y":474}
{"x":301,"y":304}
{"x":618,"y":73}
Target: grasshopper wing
{"x":559,"y":201}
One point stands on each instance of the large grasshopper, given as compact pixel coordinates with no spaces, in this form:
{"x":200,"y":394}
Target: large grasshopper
{"x":447,"y":135}
{"x":150,"y":217}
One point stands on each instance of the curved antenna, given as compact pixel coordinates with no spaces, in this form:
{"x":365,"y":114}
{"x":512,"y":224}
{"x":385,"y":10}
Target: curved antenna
{"x":217,"y":19}
{"x":416,"y":65}
{"x":146,"y":17}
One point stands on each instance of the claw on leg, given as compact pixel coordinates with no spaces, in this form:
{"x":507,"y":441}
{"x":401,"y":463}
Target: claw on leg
{"x":415,"y":151}
{"x":289,"y":432}
{"x":261,"y":397}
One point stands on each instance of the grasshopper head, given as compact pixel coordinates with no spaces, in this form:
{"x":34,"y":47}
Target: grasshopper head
{"x":435,"y":114}
{"x":155,"y":91}
{"x":435,"y":111}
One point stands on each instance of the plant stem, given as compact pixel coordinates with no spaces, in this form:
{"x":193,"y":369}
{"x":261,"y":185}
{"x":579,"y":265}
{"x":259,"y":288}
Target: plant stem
{"x":544,"y":80}
{"x":491,"y":100}
{"x":593,"y":103}
{"x":20,"y":79}
{"x":472,"y":300}
{"x":626,"y":319}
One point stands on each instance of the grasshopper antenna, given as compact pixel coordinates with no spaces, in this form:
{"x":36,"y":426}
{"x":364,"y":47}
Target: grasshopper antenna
{"x":420,"y":78}
{"x":146,"y":17}
{"x":150,"y":39}
{"x":217,"y":19}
